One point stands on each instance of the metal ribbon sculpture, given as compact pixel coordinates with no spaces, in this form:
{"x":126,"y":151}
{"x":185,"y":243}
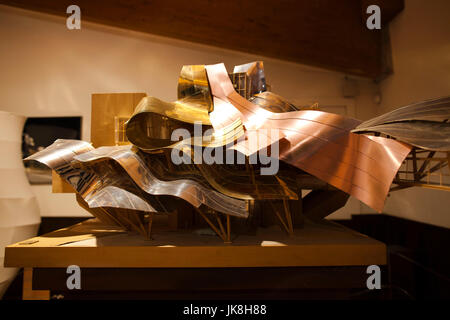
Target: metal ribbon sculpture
{"x":321,"y":144}
{"x":316,"y":148}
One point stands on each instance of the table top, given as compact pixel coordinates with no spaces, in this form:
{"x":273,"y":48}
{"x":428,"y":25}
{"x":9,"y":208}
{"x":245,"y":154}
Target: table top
{"x":93,"y":244}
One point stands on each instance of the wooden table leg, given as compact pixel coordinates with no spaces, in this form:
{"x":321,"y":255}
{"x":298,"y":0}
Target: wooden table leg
{"x":27,"y":291}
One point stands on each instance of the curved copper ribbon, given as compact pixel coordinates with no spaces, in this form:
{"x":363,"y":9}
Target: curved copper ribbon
{"x":319,"y":143}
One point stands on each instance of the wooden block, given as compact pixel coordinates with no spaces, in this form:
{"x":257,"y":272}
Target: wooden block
{"x":92,"y":244}
{"x":106,"y":107}
{"x":59,"y":185}
{"x":173,"y":220}
{"x":27,"y":290}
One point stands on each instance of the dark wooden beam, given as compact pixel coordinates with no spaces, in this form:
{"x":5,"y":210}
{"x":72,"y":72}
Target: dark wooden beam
{"x":325,"y":33}
{"x":389,"y":9}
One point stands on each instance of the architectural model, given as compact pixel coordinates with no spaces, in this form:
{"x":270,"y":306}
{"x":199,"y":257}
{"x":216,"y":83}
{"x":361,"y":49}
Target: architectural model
{"x":238,"y":156}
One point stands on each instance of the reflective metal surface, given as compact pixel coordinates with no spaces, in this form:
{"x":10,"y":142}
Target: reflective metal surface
{"x":189,"y":190}
{"x":425,"y":124}
{"x":273,"y":102}
{"x":154,"y":120}
{"x":97,"y":190}
{"x":237,"y":181}
{"x":127,"y":184}
{"x":321,"y":144}
{"x":430,"y":110}
{"x":249,"y":79}
{"x":193,"y":87}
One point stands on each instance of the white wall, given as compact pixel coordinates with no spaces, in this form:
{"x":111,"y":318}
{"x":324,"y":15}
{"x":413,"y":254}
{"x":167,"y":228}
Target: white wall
{"x":420,"y":39}
{"x":48,"y":70}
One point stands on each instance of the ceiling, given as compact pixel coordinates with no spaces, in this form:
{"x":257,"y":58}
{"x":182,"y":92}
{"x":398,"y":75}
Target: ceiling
{"x":324,"y":33}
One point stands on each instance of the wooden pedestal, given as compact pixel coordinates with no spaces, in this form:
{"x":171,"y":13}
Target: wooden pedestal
{"x":322,"y":256}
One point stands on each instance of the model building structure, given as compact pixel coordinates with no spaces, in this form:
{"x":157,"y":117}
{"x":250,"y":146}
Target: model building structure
{"x":231,"y":155}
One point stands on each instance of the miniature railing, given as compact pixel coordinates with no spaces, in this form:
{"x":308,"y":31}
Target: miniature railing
{"x":423,"y":168}
{"x":241,"y":83}
{"x":120,"y":136}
